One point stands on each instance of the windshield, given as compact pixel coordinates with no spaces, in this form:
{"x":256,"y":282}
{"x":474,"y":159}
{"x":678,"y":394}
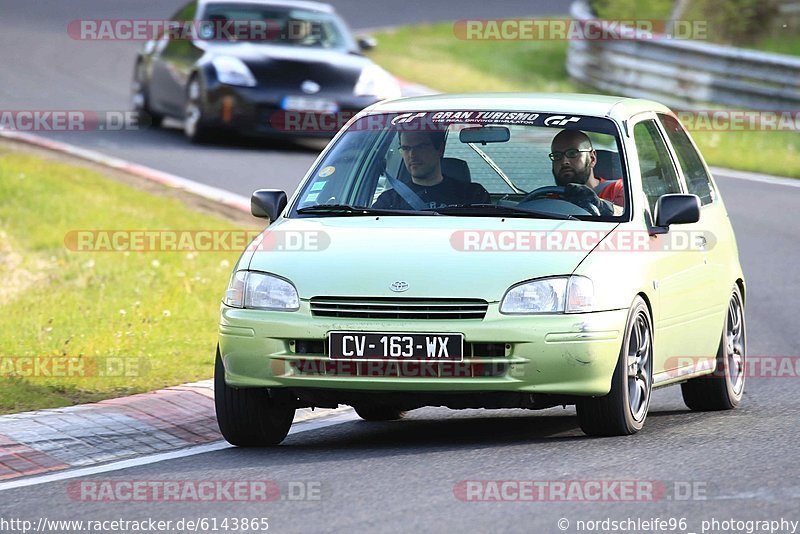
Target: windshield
{"x":471,"y":163}
{"x":273,"y":25}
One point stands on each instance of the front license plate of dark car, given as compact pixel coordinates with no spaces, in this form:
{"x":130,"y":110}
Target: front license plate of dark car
{"x":393,"y":346}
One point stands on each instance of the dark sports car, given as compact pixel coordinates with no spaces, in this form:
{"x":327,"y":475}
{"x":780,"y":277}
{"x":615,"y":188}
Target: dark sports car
{"x":259,"y":67}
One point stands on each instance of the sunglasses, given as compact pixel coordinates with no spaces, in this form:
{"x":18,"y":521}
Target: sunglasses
{"x":571,"y":153}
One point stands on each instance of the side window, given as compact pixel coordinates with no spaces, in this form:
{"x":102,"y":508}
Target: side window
{"x":697,"y":179}
{"x":658,"y":173}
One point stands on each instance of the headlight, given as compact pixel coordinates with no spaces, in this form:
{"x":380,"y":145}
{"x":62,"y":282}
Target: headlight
{"x":233,"y":71}
{"x":564,"y":294}
{"x":374,"y":81}
{"x":261,"y":291}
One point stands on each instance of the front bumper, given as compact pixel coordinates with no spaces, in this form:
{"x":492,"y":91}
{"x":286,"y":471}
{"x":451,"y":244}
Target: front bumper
{"x":539,"y":354}
{"x":257,"y":111}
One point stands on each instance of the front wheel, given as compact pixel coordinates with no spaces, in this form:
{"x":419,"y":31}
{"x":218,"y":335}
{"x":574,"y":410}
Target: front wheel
{"x":249,"y":417}
{"x":624,"y":409}
{"x":723,"y":389}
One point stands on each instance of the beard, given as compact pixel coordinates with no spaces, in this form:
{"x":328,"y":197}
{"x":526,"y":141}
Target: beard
{"x":578,"y":176}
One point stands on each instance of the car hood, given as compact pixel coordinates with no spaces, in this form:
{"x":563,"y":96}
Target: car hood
{"x":289,"y":66}
{"x":456,"y":257}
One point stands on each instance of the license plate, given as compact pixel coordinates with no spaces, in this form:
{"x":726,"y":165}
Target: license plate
{"x":396,"y":346}
{"x":304,"y":103}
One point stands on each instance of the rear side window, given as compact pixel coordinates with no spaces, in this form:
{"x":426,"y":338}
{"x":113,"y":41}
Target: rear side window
{"x":697,"y":179}
{"x":658,"y":173}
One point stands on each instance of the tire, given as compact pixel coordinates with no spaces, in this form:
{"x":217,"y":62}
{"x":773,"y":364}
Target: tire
{"x":248,"y":417}
{"x":195,"y":125}
{"x":378,"y":412}
{"x":723,"y":389}
{"x":140,"y":99}
{"x":623,"y":411}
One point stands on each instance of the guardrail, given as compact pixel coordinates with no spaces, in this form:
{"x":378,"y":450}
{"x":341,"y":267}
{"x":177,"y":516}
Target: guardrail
{"x":685,"y":74}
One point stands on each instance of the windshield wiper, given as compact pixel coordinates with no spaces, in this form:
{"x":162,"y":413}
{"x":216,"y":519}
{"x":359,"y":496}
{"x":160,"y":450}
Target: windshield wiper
{"x":345,"y":209}
{"x":492,"y":210}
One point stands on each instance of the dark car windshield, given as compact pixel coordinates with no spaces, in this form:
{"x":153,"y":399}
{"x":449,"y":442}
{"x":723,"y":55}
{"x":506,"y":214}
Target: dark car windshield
{"x":473,"y":163}
{"x":269,"y":24}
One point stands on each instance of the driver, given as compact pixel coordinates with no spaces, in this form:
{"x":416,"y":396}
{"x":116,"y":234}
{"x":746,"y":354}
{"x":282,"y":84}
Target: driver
{"x":422,"y":155}
{"x":573,"y":168}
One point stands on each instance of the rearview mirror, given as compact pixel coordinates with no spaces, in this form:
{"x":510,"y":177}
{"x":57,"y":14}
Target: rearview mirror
{"x":485,"y":134}
{"x":676,"y":209}
{"x":267,"y":203}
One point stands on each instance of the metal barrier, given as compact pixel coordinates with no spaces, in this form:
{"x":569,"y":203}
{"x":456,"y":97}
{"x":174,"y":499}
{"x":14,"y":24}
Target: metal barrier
{"x":685,"y":74}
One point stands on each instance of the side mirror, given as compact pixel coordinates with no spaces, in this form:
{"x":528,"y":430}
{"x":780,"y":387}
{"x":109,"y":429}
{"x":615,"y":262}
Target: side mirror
{"x":675,"y":209}
{"x":267,"y":203}
{"x":366,"y":42}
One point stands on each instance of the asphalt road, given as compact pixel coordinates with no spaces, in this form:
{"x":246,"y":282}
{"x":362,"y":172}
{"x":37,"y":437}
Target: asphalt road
{"x":400,"y":476}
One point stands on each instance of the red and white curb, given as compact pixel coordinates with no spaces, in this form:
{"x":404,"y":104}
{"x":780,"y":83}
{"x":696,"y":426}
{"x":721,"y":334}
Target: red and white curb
{"x":114,"y":430}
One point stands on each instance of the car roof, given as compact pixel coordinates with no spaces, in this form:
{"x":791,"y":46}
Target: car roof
{"x":615,"y":107}
{"x":299,"y":4}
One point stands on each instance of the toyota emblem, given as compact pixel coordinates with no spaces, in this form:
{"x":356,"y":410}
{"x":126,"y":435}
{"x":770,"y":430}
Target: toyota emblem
{"x":399,"y":286}
{"x":309,"y":87}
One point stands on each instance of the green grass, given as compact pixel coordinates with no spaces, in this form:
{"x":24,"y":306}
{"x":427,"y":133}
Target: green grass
{"x":157,"y":310}
{"x":780,"y":44}
{"x":433,"y":56}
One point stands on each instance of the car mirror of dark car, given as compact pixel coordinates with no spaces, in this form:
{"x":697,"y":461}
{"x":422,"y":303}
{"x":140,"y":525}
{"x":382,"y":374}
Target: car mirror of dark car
{"x":366,"y":42}
{"x":675,"y":209}
{"x":267,"y":203}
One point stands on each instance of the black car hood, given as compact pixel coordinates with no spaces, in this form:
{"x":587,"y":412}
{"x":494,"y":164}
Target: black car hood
{"x":289,"y":66}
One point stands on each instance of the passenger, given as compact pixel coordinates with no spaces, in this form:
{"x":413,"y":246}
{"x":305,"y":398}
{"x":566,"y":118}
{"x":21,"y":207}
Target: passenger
{"x":422,"y":155}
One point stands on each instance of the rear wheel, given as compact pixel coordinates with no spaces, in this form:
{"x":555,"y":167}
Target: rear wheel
{"x":378,"y":412}
{"x":723,"y":389}
{"x":624,"y":409}
{"x":249,"y":417}
{"x":140,"y":98}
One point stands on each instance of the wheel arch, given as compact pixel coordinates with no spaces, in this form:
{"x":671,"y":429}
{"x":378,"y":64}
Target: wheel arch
{"x":741,"y":286}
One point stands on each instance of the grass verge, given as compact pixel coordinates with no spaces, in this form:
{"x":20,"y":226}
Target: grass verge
{"x":433,"y":56}
{"x":80,"y":326}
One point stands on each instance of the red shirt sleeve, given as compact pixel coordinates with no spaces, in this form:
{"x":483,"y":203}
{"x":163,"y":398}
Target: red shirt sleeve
{"x":614,"y":192}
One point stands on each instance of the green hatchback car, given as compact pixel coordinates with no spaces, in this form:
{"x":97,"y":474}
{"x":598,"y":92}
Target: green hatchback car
{"x":487,"y":251}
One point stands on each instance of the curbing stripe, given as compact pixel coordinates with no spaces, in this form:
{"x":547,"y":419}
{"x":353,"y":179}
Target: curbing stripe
{"x":337,"y":417}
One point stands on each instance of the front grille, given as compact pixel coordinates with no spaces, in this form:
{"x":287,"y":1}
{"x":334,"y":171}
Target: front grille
{"x":398,"y":308}
{"x":472,"y":368}
{"x":392,"y":369}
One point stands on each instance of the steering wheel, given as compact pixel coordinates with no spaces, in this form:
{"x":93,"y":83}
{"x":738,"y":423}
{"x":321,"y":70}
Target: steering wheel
{"x":560,"y":192}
